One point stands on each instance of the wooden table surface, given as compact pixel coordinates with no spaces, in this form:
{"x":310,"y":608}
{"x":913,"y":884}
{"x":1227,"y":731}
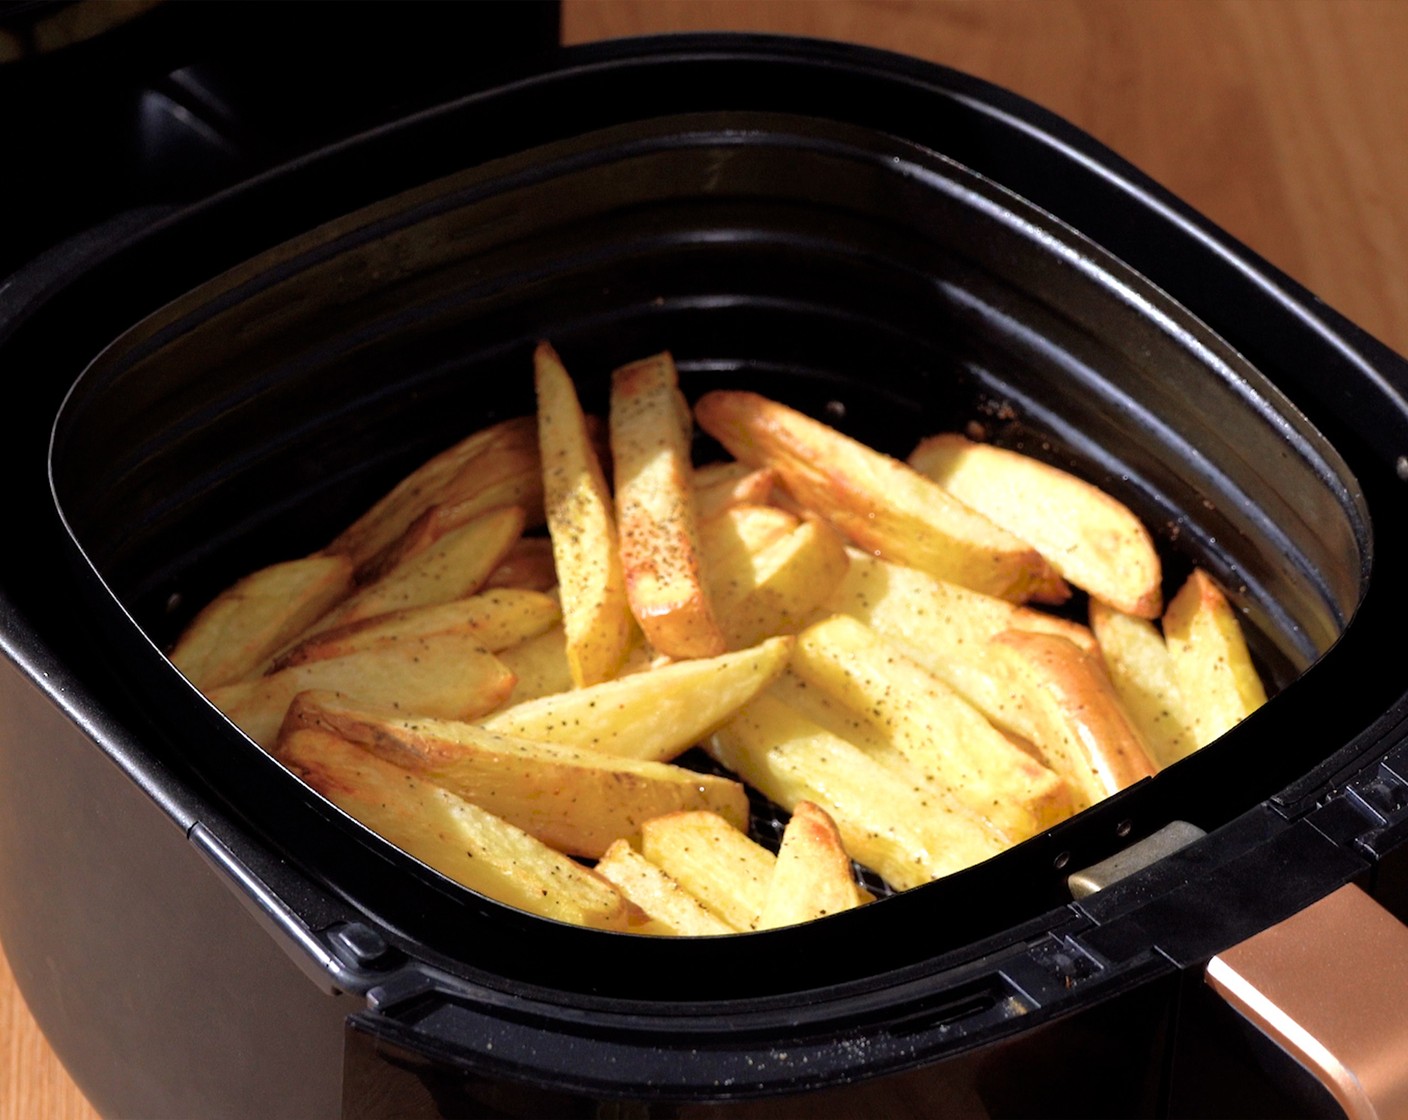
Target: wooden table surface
{"x":1284,"y":121}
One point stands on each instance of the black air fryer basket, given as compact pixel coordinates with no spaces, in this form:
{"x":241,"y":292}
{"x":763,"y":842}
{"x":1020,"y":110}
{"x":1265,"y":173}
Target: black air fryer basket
{"x":891,"y":245}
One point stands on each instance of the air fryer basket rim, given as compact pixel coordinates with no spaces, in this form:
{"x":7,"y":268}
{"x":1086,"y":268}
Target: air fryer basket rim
{"x":1360,"y":351}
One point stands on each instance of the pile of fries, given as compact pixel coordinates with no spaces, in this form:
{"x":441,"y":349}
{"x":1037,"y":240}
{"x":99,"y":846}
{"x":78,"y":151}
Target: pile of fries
{"x":500,"y":664}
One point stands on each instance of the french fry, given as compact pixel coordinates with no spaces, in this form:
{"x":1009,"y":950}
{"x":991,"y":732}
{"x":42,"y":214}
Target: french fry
{"x":1141,"y":670}
{"x":722,"y":485}
{"x":653,"y":715}
{"x":945,"y":628}
{"x":1066,"y":707}
{"x":942,"y":735}
{"x":775,"y":588}
{"x":586,"y":551}
{"x":454,"y":567}
{"x":496,"y":619}
{"x":389,"y":518}
{"x":712,"y":859}
{"x":663,"y":899}
{"x":527,"y":565}
{"x":1091,"y":538}
{"x":896,"y":825}
{"x":879,"y":503}
{"x":242,"y":627}
{"x":1210,"y":658}
{"x":447,"y":675}
{"x":577,"y":800}
{"x":539,"y":666}
{"x":813,"y":876}
{"x":655,"y":514}
{"x":455,"y":837}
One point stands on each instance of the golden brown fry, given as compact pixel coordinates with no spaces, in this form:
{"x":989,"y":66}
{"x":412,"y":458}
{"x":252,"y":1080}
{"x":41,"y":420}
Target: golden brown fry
{"x":496,"y":619}
{"x":449,"y":675}
{"x":577,"y":800}
{"x":1210,"y":658}
{"x":656,"y":714}
{"x":1067,"y":708}
{"x":539,"y":666}
{"x":527,"y":565}
{"x":454,"y":567}
{"x":894,"y":824}
{"x":387,"y":520}
{"x":711,"y":858}
{"x":655,"y":514}
{"x":1141,"y":670}
{"x":941,"y":734}
{"x":457,"y":838}
{"x":813,"y":876}
{"x":881,"y":504}
{"x":722,"y":485}
{"x":658,"y":895}
{"x":1088,"y":536}
{"x":586,"y":552}
{"x":246,"y":624}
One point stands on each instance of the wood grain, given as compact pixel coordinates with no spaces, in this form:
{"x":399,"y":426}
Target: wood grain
{"x":1284,"y":121}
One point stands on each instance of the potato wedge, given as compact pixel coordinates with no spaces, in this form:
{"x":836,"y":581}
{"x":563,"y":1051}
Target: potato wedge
{"x":716,"y":862}
{"x":655,"y":514}
{"x":577,"y":800}
{"x":904,"y":831}
{"x":879,"y":503}
{"x":242,"y":627}
{"x":1091,"y":538}
{"x":1139,"y":666}
{"x":656,"y":714}
{"x":722,"y":485}
{"x":457,"y":838}
{"x":447,"y":675}
{"x":454,"y":567}
{"x":941,"y":734}
{"x":495,"y":619}
{"x":539,"y":666}
{"x":1066,"y":707}
{"x":776,"y":588}
{"x":813,"y":876}
{"x":586,"y":551}
{"x":663,"y":899}
{"x":1210,"y":658}
{"x":389,"y":518}
{"x":527,"y":565}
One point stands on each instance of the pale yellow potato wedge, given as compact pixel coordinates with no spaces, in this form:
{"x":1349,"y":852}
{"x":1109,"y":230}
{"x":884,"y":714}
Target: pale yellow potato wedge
{"x":722,"y":485}
{"x":658,"y":895}
{"x":496,"y":619}
{"x":879,"y":503}
{"x":1094,"y":540}
{"x":457,"y":838}
{"x":242,"y":627}
{"x":655,"y":714}
{"x":714,"y":860}
{"x":1139,"y":666}
{"x":727,"y":540}
{"x":577,"y":800}
{"x":813,"y":876}
{"x":539,"y":666}
{"x":586,"y":551}
{"x":388,"y":520}
{"x":454,"y":567}
{"x":448,"y":675}
{"x":890,"y":822}
{"x":1066,"y":707}
{"x":942,"y":735}
{"x":655,"y":513}
{"x":777,"y":588}
{"x":1210,"y":658}
{"x":527,"y":565}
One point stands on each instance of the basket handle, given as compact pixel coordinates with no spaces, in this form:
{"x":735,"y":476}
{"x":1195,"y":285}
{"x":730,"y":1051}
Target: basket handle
{"x":1329,"y":985}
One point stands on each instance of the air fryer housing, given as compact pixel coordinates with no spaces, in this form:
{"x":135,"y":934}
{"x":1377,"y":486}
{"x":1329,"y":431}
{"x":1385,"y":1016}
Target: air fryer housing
{"x":891,"y":245}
